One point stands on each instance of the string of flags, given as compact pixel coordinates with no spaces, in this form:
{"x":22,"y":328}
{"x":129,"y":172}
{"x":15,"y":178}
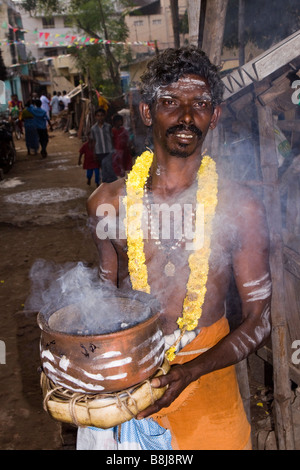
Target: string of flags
{"x":49,"y":39}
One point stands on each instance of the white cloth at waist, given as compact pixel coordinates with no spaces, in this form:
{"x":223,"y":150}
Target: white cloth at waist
{"x":186,"y":339}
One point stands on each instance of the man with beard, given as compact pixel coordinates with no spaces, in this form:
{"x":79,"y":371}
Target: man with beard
{"x":188,"y":268}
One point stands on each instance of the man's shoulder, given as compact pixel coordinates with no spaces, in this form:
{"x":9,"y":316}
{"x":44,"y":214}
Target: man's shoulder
{"x":236,"y":191}
{"x":106,"y":194}
{"x":33,"y":109}
{"x":239,"y":201}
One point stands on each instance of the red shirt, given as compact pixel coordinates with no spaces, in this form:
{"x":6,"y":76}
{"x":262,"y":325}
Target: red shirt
{"x":121,"y":145}
{"x":89,"y":162}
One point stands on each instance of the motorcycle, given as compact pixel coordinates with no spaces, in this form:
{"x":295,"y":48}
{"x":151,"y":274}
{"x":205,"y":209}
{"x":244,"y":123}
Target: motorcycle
{"x":7,"y":146}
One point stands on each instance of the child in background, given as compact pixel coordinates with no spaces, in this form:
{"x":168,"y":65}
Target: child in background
{"x":122,"y":158}
{"x":90,"y":163}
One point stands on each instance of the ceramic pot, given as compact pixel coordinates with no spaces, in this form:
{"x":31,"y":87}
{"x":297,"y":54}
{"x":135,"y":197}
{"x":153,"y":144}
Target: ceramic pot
{"x":103,"y":363}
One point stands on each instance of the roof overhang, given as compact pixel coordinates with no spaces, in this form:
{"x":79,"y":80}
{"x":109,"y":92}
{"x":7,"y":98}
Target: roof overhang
{"x":262,"y":66}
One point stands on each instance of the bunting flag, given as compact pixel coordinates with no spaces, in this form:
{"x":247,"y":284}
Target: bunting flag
{"x":47,"y":38}
{"x":83,"y":42}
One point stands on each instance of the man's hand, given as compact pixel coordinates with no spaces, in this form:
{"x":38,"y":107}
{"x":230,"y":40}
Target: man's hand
{"x":176,"y":380}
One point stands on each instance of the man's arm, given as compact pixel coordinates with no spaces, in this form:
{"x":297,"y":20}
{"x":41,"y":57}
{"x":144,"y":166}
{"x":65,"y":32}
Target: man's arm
{"x":251,"y":270}
{"x":108,"y":262}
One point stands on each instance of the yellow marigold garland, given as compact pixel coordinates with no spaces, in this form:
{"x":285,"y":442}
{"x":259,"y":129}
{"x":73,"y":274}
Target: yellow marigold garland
{"x":207,"y":194}
{"x":134,"y":207}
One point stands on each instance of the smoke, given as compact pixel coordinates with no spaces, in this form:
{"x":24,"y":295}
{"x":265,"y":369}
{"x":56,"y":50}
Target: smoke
{"x":72,"y":300}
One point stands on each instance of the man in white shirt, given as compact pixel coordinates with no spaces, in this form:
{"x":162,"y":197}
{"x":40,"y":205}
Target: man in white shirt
{"x":66,"y":100}
{"x":54,"y":104}
{"x":45,"y":104}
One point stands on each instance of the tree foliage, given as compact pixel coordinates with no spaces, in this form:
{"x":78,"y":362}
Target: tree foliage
{"x":47,"y":7}
{"x":99,"y":19}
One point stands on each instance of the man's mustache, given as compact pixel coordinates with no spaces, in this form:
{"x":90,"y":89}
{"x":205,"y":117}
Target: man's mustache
{"x":181,"y":127}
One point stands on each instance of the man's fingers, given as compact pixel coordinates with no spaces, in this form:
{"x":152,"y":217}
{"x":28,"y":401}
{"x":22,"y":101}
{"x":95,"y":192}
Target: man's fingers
{"x":164,"y":380}
{"x":163,"y":402}
{"x":157,"y":383}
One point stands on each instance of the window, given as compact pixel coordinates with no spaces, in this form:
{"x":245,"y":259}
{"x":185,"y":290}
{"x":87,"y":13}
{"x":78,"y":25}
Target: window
{"x":54,"y":52}
{"x":156,"y":22}
{"x":48,"y":22}
{"x":138,"y":23}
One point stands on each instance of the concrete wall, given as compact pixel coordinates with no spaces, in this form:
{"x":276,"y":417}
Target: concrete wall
{"x":154,"y":27}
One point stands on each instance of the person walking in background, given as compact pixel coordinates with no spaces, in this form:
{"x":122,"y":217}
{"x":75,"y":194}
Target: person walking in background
{"x":54,"y":104}
{"x":45,"y":104}
{"x":66,"y":100}
{"x":41,"y":119}
{"x":34,"y":96}
{"x":15,"y":107}
{"x":122,"y":160}
{"x":102,"y":136}
{"x":61,"y":104}
{"x":31,"y":135}
{"x":90,"y":164}
{"x":54,"y":108}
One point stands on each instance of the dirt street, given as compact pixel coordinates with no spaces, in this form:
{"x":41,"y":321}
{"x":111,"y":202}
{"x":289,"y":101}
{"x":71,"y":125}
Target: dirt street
{"x":35,"y":223}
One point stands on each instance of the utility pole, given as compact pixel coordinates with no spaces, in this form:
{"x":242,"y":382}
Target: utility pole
{"x":241,"y":34}
{"x":193,"y":17}
{"x":201,"y":23}
{"x":175,"y":22}
{"x":215,"y":16}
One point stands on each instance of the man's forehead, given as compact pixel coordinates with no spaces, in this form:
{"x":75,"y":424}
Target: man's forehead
{"x":185,"y":83}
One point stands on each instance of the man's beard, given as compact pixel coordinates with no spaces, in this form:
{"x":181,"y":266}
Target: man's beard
{"x":182,"y":151}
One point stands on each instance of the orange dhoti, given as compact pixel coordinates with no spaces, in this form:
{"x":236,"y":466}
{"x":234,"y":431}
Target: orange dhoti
{"x":209,"y":414}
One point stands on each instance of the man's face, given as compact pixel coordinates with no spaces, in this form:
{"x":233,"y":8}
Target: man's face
{"x":182,"y":115}
{"x":100,"y":117}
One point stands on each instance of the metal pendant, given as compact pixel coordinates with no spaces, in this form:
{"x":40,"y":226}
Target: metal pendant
{"x":169,"y":269}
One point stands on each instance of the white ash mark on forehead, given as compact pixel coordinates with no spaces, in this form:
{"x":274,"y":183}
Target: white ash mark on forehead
{"x":183,"y":84}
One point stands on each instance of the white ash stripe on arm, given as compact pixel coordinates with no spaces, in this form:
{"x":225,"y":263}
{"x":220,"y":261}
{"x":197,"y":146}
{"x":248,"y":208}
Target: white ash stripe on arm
{"x":257,"y":282}
{"x":263,"y":291}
